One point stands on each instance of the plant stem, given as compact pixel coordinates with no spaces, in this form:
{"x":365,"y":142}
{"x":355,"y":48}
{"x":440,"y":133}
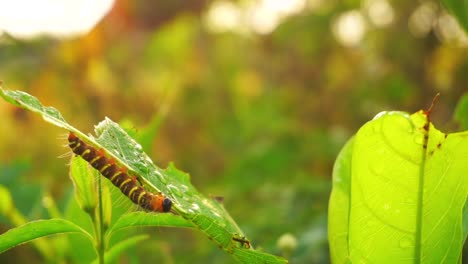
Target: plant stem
{"x":99,"y":226}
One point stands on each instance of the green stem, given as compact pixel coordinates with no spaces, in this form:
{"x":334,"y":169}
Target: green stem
{"x":99,"y":226}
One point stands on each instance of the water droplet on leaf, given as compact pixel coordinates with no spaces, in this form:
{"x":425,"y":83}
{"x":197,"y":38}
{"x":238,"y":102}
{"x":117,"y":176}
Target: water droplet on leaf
{"x":174,"y":190}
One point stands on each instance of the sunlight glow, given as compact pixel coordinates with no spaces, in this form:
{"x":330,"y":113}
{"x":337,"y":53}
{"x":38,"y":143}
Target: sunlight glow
{"x":223,"y":16}
{"x":60,"y":18}
{"x":268,"y":14}
{"x":427,"y":17}
{"x":421,"y":20}
{"x":261,"y":17}
{"x":448,"y":30}
{"x":349,"y":28}
{"x":380,"y":12}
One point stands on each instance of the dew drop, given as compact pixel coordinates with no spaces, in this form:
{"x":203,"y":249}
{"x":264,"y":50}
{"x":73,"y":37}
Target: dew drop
{"x":216,"y":214}
{"x":162,"y":179}
{"x":147,"y":159}
{"x":222,"y":223}
{"x":184,"y":187}
{"x":195,"y":207}
{"x":174,"y":190}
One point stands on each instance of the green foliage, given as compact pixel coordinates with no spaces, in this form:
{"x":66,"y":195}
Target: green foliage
{"x":192,"y":209}
{"x":37,"y":229}
{"x":461,"y":112}
{"x":399,"y":189}
{"x":256,"y":118}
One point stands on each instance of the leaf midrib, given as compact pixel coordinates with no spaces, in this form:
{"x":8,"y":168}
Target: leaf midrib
{"x":419,"y":213}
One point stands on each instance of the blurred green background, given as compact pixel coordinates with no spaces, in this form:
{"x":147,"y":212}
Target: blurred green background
{"x":252,"y":99}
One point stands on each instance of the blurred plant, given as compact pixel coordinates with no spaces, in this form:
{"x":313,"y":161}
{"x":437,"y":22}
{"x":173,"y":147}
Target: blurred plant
{"x":459,"y":9}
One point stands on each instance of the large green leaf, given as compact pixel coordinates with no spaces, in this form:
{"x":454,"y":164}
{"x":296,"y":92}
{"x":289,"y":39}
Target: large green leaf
{"x":206,"y":214}
{"x":37,"y":229}
{"x":399,"y":190}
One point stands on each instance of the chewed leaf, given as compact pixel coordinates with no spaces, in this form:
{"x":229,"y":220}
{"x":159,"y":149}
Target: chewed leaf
{"x":399,"y":190}
{"x":139,"y":219}
{"x":27,"y":101}
{"x":205,"y":214}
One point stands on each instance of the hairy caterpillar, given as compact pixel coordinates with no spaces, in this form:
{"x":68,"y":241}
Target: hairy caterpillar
{"x":119,"y":177}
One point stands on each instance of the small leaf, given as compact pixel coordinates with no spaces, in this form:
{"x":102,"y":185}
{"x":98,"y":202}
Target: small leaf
{"x":81,"y":250}
{"x":37,"y":229}
{"x":9,"y":209}
{"x":85,"y":186}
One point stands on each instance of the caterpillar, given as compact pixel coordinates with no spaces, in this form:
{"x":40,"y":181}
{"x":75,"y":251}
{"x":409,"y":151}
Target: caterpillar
{"x":118,"y":176}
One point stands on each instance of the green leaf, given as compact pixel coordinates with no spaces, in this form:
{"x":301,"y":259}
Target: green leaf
{"x":25,"y":100}
{"x":459,"y":8}
{"x":112,"y":254}
{"x":139,"y":219}
{"x":6,"y":206}
{"x":204,"y":213}
{"x":85,"y":186}
{"x":80,"y":249}
{"x":37,"y":229}
{"x":8,"y":209}
{"x":461,"y":112}
{"x":399,"y":191}
{"x":338,"y":211}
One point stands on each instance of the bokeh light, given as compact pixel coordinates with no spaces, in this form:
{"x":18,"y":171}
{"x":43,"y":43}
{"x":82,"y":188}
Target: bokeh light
{"x":349,"y":28}
{"x":63,"y":18}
